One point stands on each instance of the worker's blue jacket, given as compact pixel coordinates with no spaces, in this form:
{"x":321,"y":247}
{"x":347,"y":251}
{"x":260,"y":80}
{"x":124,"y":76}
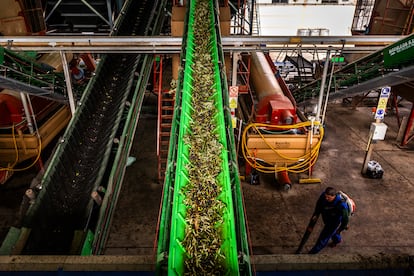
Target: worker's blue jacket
{"x":333,"y":213}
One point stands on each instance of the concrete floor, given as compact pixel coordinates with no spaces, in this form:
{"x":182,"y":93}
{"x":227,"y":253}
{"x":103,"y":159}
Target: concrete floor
{"x":382,"y":226}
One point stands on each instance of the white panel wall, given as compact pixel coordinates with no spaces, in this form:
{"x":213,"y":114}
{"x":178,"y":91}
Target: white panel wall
{"x":285,"y":20}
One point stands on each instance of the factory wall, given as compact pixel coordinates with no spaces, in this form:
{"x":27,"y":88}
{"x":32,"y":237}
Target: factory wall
{"x":337,"y":19}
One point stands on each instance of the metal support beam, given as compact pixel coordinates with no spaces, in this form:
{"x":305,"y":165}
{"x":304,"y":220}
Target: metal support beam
{"x":407,"y":137}
{"x":68,"y":83}
{"x":96,"y":12}
{"x":53,"y":10}
{"x":162,"y":44}
{"x":322,"y":90}
{"x":387,"y":79}
{"x":13,"y":84}
{"x":109,"y":9}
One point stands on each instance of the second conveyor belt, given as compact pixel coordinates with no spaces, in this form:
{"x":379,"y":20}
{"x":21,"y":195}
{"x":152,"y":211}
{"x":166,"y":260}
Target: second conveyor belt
{"x":64,"y":220}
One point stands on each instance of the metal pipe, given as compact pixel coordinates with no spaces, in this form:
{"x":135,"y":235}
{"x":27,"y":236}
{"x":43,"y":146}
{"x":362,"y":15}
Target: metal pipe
{"x":68,"y":82}
{"x":408,"y":128}
{"x":27,"y":112}
{"x":157,"y":44}
{"x":236,"y":57}
{"x":109,"y":9}
{"x":327,"y":93}
{"x":262,"y":77}
{"x":322,"y":90}
{"x":53,"y":9}
{"x":163,"y":49}
{"x":96,"y":12}
{"x":251,"y":15}
{"x":234,"y":40}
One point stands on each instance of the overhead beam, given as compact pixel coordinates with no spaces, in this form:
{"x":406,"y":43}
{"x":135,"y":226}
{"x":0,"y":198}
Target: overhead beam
{"x":163,"y":44}
{"x":394,"y":78}
{"x":16,"y":85}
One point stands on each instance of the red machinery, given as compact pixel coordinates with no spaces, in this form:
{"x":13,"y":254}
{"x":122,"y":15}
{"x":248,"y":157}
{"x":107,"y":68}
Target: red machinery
{"x":11,"y":109}
{"x":274,"y":107}
{"x":276,"y":137}
{"x":25,"y":130}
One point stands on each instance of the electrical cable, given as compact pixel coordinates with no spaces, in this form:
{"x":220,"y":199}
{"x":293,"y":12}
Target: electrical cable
{"x":16,"y":151}
{"x":299,"y":164}
{"x":11,"y":168}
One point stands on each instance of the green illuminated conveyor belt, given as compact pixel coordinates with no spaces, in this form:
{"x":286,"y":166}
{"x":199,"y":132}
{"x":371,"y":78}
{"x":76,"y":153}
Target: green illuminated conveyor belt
{"x":202,"y":228}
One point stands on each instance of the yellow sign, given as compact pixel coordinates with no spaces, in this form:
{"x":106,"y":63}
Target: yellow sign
{"x":233,"y":103}
{"x":382,"y":102}
{"x":234,"y":122}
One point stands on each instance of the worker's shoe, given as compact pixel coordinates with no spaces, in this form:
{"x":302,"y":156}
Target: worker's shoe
{"x":334,"y":244}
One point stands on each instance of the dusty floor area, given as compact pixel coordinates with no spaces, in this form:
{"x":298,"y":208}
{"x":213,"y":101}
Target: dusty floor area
{"x":383,"y":223}
{"x":277,"y":219}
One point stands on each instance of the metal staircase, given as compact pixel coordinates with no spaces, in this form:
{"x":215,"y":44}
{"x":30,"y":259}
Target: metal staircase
{"x":164,"y":119}
{"x":165,"y":122}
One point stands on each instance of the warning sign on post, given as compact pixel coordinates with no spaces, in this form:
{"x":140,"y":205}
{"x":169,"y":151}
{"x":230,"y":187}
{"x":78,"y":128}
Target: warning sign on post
{"x":382,"y":102}
{"x":234,"y":94}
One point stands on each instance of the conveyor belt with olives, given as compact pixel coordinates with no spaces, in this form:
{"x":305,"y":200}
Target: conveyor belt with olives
{"x":202,"y":229}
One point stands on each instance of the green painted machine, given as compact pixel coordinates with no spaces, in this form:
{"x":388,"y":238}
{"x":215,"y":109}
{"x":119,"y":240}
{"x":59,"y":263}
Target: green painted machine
{"x":390,"y":66}
{"x":202,"y":228}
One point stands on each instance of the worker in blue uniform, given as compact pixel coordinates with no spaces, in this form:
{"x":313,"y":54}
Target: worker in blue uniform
{"x":335,"y":216}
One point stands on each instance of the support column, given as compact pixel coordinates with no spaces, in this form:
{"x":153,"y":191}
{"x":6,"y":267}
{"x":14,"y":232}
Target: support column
{"x":68,"y":82}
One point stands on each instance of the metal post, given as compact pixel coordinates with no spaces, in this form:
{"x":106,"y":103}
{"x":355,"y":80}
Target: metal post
{"x":368,"y":152}
{"x":27,"y":112}
{"x":96,"y":12}
{"x":53,"y":9}
{"x":321,"y":92}
{"x":109,"y":8}
{"x":379,"y":116}
{"x":234,"y":72}
{"x":327,"y":94}
{"x":408,"y":128}
{"x":68,"y":82}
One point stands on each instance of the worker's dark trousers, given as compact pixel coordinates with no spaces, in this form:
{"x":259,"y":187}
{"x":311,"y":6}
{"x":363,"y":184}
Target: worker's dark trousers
{"x":327,"y":233}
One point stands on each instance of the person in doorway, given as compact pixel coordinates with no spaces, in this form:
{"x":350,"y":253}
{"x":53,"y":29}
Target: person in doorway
{"x":335,"y":217}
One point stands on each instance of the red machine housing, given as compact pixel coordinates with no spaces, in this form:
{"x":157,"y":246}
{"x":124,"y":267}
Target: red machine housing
{"x":276,"y":110}
{"x":273,"y":107}
{"x":11,"y":110}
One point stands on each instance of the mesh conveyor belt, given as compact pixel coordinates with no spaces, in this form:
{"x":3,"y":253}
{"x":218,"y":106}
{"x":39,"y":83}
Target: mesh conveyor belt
{"x":64,"y":204}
